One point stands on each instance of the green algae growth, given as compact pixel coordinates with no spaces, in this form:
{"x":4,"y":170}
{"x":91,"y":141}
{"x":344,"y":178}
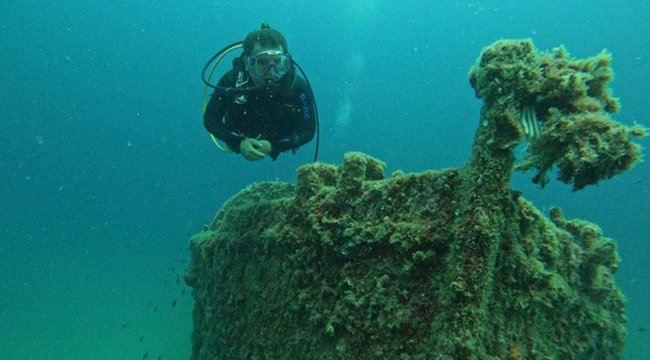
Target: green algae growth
{"x":450,"y":264}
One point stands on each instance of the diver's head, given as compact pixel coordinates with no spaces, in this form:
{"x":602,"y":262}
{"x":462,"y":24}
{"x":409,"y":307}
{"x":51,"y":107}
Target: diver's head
{"x":266,"y":56}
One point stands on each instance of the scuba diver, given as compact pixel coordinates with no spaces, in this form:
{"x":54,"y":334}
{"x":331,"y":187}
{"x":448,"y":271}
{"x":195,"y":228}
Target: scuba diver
{"x":262,"y":106}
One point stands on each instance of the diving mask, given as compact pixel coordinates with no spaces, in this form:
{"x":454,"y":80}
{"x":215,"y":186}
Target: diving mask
{"x":262,"y":63}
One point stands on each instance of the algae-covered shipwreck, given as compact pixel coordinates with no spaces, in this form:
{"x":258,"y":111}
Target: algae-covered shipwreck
{"x":450,"y":264}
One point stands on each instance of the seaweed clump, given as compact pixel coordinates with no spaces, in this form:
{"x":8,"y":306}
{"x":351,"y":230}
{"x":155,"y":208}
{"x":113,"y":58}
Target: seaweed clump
{"x":449,"y":264}
{"x":574,"y":104}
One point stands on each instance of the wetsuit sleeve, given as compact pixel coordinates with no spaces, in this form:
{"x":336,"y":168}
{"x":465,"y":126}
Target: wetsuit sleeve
{"x":213,"y":119}
{"x":305,"y":121}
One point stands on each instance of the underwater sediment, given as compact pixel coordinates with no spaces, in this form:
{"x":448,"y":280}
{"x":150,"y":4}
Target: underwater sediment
{"x":449,"y":264}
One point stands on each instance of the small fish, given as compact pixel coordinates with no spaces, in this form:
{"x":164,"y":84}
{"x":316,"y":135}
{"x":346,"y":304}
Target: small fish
{"x":174,"y":303}
{"x":159,"y":357}
{"x":123,"y":326}
{"x":146,"y":355}
{"x":155,"y":309}
{"x":183,"y":292}
{"x":641,"y":329}
{"x":141,"y":338}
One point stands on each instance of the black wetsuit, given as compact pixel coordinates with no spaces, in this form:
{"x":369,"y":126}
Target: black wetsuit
{"x":283,"y":116}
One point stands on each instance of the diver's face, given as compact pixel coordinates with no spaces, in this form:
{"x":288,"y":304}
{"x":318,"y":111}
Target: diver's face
{"x":262,"y":74}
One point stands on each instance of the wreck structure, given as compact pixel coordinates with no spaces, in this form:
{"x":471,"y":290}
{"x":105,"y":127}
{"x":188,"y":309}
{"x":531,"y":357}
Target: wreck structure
{"x":449,"y":264}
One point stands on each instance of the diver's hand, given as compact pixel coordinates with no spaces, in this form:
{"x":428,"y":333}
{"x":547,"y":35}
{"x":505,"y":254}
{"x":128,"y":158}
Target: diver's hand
{"x":263,"y":146}
{"x":252,"y":149}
